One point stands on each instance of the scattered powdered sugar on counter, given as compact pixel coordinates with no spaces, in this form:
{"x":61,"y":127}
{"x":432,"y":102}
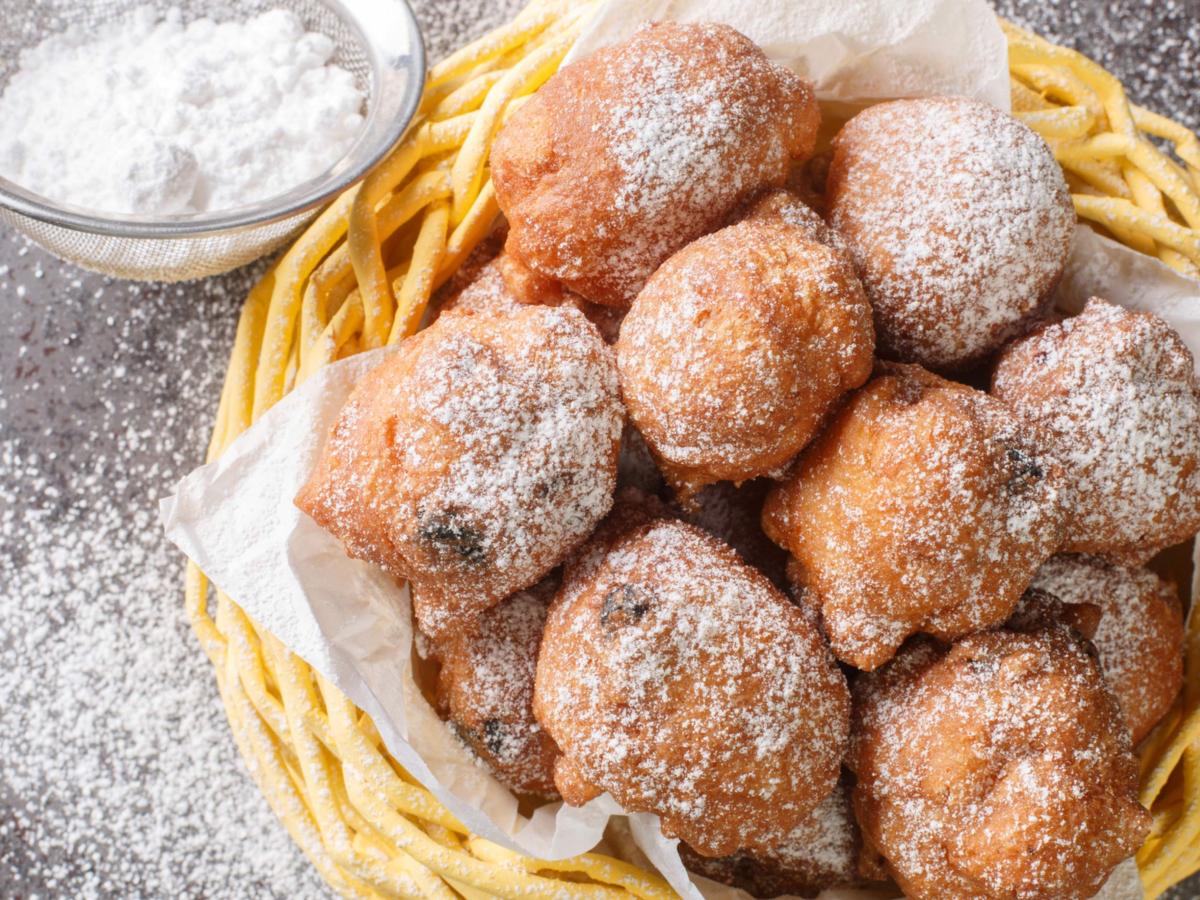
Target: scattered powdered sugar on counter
{"x":118,"y":774}
{"x":119,"y":777}
{"x":150,"y":116}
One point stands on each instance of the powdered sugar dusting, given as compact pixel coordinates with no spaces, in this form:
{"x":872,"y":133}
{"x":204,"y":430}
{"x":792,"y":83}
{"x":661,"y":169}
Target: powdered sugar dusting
{"x":642,"y":147}
{"x":118,"y":773}
{"x":489,"y":292}
{"x":674,"y":677}
{"x":820,"y":852}
{"x":1140,"y":635}
{"x":1117,"y":393}
{"x":486,"y":686}
{"x":737,"y":348}
{"x":959,"y":220}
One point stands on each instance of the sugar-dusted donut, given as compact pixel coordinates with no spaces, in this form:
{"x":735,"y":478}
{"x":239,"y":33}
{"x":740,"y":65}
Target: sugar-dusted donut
{"x":997,"y":769}
{"x":738,"y":348}
{"x":675,"y":677}
{"x":1117,"y":394}
{"x":924,"y":506}
{"x":1139,"y":636}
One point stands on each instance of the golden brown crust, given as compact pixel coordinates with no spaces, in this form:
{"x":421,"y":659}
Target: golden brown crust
{"x":737,"y":349}
{"x":485,"y":688}
{"x":623,"y":157}
{"x":925,"y":506}
{"x":473,"y":459}
{"x":783,"y":206}
{"x":996,"y":769}
{"x":1117,"y":394}
{"x":678,"y":679}
{"x":960,"y":223}
{"x":1139,"y":634}
{"x":504,"y":284}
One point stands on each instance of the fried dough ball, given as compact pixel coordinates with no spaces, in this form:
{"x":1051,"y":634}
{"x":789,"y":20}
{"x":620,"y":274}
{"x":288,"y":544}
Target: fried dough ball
{"x":925,"y":506}
{"x":1116,"y":392}
{"x":996,"y":769}
{"x":675,"y":677}
{"x":473,"y":459}
{"x":821,"y":852}
{"x":623,"y":157}
{"x":1140,"y":633}
{"x":960,"y":223}
{"x":485,"y":688}
{"x":737,"y":349}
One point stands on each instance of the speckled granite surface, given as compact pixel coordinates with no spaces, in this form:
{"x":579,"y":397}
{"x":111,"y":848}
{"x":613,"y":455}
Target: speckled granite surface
{"x":117,"y":774}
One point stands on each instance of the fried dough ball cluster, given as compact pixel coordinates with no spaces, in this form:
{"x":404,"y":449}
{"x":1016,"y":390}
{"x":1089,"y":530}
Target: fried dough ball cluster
{"x":485,"y":688}
{"x":1116,"y":392}
{"x":623,"y":157}
{"x":675,"y":677}
{"x":1139,"y":637}
{"x":821,"y":852}
{"x":738,"y":347}
{"x":996,"y":769}
{"x":959,"y":220}
{"x":922,"y":527}
{"x":925,"y":506}
{"x":474,"y":458}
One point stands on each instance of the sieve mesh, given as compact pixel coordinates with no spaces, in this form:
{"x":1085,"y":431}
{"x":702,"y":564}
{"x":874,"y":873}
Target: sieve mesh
{"x":388,"y":66}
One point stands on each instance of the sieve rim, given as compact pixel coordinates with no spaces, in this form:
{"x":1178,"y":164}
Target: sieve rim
{"x":388,"y":33}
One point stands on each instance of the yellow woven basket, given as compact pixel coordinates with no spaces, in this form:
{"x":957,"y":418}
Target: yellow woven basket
{"x":361,"y":276}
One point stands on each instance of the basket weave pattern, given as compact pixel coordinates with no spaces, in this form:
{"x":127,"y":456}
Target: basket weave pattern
{"x":362,"y":275}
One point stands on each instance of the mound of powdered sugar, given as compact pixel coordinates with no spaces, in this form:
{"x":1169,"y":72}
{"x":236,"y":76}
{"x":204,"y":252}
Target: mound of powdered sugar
{"x":150,"y":116}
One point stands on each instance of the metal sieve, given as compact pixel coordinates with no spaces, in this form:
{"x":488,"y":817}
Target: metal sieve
{"x":377,"y":40}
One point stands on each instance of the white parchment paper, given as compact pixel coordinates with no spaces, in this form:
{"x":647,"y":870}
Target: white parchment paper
{"x":351,"y":622}
{"x":853,"y":51}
